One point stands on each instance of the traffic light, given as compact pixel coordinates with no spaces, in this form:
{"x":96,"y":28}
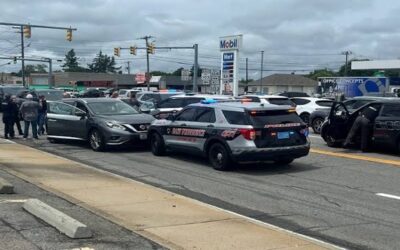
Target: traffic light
{"x":15,"y":59}
{"x":117,"y":51}
{"x":150,"y":48}
{"x":69,"y":35}
{"x":27,"y":31}
{"x":133,"y":50}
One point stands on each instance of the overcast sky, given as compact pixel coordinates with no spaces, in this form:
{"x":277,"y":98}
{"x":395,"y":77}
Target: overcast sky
{"x":295,"y":34}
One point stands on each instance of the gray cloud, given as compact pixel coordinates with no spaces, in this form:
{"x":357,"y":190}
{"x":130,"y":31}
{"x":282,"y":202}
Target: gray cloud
{"x":294,"y":34}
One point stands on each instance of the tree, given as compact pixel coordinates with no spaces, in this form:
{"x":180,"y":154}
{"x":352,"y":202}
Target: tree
{"x":103,"y":64}
{"x":39,"y":68}
{"x":177,"y":72}
{"x":199,"y":70}
{"x":71,"y":62}
{"x":321,"y":73}
{"x":159,"y":73}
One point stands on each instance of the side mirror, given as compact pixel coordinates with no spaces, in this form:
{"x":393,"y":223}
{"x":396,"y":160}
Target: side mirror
{"x":80,"y":113}
{"x":171,"y":116}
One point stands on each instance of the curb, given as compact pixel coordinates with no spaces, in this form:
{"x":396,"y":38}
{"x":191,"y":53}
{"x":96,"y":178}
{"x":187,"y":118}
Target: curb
{"x":6,"y":187}
{"x":64,"y":223}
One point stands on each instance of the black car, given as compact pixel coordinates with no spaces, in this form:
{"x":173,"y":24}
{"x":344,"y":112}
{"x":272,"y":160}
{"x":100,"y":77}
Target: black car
{"x":386,"y":127}
{"x":100,"y":121}
{"x":10,"y":90}
{"x":91,"y":93}
{"x":318,"y":117}
{"x":51,"y":94}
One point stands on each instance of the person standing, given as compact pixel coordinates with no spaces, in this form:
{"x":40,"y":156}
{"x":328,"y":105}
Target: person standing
{"x":17,"y":114}
{"x":8,"y":117}
{"x":29,"y":111}
{"x":42,"y":113}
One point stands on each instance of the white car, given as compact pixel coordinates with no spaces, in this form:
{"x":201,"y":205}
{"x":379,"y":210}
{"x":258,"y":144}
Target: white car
{"x":306,"y":105}
{"x":270,"y":99}
{"x":126,"y":93}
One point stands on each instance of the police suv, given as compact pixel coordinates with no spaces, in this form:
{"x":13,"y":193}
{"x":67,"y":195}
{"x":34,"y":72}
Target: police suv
{"x":227,"y":132}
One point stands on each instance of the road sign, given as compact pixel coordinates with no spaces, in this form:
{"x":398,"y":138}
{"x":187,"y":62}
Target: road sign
{"x":206,"y":76}
{"x":140,"y":77}
{"x":229,"y":47}
{"x":185,"y":75}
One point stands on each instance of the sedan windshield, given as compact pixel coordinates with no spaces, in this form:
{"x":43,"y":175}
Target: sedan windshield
{"x":111,"y":108}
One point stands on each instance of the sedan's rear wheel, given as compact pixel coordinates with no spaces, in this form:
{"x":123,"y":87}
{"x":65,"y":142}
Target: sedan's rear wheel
{"x":317,"y":124}
{"x":219,"y":157}
{"x":96,"y":140}
{"x":306,"y":118}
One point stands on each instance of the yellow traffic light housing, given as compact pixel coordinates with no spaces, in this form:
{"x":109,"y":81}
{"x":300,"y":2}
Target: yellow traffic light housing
{"x":69,"y":35}
{"x":27,"y":31}
{"x":150,"y":48}
{"x":117,"y":52}
{"x":133,"y":50}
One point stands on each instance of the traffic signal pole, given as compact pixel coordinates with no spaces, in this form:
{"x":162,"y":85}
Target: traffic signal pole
{"x":21,"y":25}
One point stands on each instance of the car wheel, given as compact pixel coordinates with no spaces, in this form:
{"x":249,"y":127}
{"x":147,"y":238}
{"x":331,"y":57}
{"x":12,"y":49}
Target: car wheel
{"x":283,"y":162}
{"x":306,"y":118}
{"x":219,"y":157}
{"x":96,"y":140}
{"x":157,"y":144}
{"x":317,"y":124}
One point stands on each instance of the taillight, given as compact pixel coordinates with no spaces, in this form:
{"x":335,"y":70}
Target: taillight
{"x":248,"y":134}
{"x":305,"y":132}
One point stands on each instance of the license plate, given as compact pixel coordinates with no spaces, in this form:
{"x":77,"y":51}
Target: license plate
{"x":283,"y":135}
{"x":143,"y":136}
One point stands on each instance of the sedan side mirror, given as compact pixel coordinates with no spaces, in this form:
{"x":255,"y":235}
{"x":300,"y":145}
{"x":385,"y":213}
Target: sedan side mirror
{"x":80,"y":113}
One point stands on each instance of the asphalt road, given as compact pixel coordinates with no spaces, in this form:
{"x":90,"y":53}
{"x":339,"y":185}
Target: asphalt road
{"x":331,"y":198}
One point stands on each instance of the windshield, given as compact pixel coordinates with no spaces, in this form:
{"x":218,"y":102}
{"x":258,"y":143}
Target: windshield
{"x":274,"y":117}
{"x":111,"y":108}
{"x":51,"y":95}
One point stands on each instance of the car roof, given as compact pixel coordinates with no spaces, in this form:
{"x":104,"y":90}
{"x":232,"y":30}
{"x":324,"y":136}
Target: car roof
{"x":243,"y":105}
{"x":206,"y":96}
{"x":312,"y":98}
{"x":373,"y":97}
{"x":268,"y":96}
{"x":93,"y":100}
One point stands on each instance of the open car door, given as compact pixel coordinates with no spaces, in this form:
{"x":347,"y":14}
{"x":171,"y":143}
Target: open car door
{"x":339,"y":122}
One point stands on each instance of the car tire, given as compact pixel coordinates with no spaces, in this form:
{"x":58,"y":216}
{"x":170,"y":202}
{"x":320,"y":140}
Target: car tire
{"x":219,"y":157}
{"x":96,"y":140}
{"x":283,"y":162}
{"x":157,"y":144}
{"x":306,"y":118}
{"x":316,"y":124}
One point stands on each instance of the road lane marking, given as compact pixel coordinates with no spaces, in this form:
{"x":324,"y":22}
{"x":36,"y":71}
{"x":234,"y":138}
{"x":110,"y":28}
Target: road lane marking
{"x":391,"y":196}
{"x":356,"y":157}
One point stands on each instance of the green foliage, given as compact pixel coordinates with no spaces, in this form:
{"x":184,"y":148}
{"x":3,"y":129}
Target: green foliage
{"x":159,"y":73}
{"x":103,"y":64}
{"x":321,"y":73}
{"x":71,"y":63}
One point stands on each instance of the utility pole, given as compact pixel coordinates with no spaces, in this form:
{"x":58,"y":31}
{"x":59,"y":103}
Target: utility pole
{"x":346,"y":53}
{"x":129,"y":67}
{"x":22,"y":55}
{"x":196,"y":66}
{"x":146,"y":38}
{"x":261,"y":73}
{"x":247,"y":74}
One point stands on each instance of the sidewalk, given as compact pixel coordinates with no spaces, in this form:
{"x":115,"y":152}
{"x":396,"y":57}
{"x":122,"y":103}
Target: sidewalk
{"x":169,"y":219}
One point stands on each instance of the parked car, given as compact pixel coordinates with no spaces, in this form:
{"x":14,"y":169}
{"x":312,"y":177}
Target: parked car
{"x":91,"y":93}
{"x":100,"y":121}
{"x":270,"y":99}
{"x":11,"y":89}
{"x":318,"y":116}
{"x":386,"y":127}
{"x":291,"y":94}
{"x":306,"y":105}
{"x":155,"y":96}
{"x":126,"y":93}
{"x":51,"y":94}
{"x":176,"y":103}
{"x":229,"y":132}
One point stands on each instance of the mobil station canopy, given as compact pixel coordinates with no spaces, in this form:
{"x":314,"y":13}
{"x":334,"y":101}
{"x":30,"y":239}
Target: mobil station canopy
{"x":376,"y":64}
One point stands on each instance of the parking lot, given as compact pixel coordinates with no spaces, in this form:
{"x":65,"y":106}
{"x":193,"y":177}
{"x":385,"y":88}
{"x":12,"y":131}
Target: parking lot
{"x":338,"y":195}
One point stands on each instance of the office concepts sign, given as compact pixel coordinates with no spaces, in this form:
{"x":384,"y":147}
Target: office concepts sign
{"x":229,"y":47}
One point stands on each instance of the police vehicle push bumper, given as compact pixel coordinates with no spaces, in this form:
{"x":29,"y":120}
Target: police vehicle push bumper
{"x":270,"y":154}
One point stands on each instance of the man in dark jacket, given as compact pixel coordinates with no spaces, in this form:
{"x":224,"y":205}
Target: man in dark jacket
{"x":8,"y":118}
{"x":42,"y":114}
{"x":363,"y":123}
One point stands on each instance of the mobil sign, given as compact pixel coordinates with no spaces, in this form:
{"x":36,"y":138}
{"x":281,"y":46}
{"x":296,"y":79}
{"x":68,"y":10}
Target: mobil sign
{"x":230,"y":42}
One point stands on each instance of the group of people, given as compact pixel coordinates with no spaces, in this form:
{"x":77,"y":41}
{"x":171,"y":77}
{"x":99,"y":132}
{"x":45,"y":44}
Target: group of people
{"x":33,"y":114}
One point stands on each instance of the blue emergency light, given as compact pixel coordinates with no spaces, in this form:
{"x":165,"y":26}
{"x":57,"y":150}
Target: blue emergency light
{"x":208,"y":101}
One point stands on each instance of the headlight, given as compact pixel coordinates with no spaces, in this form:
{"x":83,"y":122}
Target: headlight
{"x":115,"y":125}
